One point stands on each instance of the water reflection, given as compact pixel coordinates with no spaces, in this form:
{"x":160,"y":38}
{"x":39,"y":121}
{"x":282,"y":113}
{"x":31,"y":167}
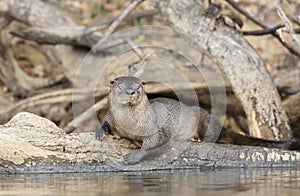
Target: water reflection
{"x":181,"y":182}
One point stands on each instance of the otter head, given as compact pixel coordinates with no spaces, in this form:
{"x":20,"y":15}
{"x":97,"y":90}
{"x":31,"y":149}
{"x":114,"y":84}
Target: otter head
{"x":127,"y":90}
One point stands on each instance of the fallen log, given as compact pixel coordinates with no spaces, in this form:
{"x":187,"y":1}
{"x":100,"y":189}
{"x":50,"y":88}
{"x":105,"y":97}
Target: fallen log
{"x":32,"y":144}
{"x":241,"y":64}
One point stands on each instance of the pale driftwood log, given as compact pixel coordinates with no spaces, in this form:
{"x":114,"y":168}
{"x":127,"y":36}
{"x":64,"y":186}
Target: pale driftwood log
{"x":58,"y":35}
{"x":35,"y":13}
{"x":241,"y":64}
{"x":32,"y":144}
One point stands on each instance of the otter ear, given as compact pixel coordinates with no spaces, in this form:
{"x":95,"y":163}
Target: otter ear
{"x":143,"y":82}
{"x":113,"y":81}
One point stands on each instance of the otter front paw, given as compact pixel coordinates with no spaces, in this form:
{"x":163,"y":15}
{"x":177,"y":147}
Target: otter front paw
{"x":99,"y":134}
{"x":104,"y":129}
{"x":134,"y":158}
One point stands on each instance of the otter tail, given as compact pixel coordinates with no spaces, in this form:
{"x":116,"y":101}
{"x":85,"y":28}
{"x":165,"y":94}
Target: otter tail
{"x":294,"y":144}
{"x":238,"y":139}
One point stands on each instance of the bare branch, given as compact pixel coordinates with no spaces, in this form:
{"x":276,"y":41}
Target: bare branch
{"x":288,"y":25}
{"x":291,"y":48}
{"x":58,"y":96}
{"x":268,"y":31}
{"x":104,"y":24}
{"x":139,"y":52}
{"x":131,"y":6}
{"x":85,"y":115}
{"x":284,"y":18}
{"x":57,"y":35}
{"x":140,"y":67}
{"x":69,"y":36}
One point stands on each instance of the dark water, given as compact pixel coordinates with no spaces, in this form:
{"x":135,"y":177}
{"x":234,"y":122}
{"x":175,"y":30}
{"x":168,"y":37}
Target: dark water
{"x":181,"y":182}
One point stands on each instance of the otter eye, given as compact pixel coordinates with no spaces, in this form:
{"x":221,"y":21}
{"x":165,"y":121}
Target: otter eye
{"x":120,"y":87}
{"x":138,"y":87}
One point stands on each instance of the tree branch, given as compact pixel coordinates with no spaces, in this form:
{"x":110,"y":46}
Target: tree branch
{"x":103,"y":24}
{"x":268,"y":31}
{"x":291,"y":48}
{"x":126,"y":11}
{"x":242,"y":65}
{"x":288,"y":25}
{"x":77,"y":121}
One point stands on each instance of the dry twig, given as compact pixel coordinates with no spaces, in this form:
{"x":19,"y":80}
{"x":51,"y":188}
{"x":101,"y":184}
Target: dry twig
{"x":268,"y":31}
{"x":288,"y":25}
{"x":236,"y":6}
{"x":103,"y":24}
{"x":71,"y":126}
{"x":139,"y":52}
{"x":140,"y":67}
{"x":58,"y":96}
{"x":129,"y":8}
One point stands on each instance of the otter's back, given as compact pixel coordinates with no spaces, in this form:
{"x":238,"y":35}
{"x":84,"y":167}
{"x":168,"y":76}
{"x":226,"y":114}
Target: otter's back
{"x":171,"y":114}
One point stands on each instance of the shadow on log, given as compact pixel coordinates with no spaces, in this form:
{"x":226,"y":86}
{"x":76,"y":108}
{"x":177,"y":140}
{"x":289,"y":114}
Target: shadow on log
{"x":32,"y":144}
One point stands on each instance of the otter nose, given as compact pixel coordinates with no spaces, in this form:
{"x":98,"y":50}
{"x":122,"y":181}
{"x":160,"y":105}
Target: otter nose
{"x":129,"y":91}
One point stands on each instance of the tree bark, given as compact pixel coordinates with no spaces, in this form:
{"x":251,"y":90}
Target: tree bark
{"x":243,"y":67}
{"x":292,"y":108}
{"x":32,"y":144}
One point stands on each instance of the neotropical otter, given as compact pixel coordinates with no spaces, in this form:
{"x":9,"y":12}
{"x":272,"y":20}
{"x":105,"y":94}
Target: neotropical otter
{"x":156,"y":122}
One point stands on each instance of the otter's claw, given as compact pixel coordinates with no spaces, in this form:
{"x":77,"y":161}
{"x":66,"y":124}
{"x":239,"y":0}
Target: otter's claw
{"x":195,"y":140}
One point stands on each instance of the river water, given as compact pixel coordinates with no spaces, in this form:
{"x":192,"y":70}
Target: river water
{"x":223,"y":182}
